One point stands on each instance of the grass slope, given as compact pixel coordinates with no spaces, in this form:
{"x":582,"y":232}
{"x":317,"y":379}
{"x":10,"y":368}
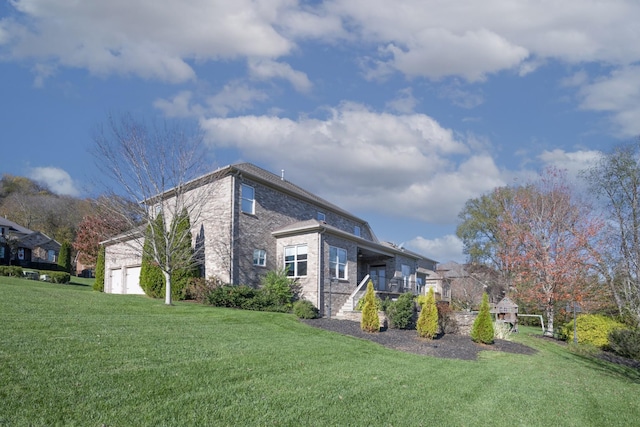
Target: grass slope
{"x":71,"y":356}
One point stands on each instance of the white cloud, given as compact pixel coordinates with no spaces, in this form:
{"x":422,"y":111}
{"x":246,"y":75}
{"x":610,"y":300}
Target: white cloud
{"x":405,"y":102}
{"x":406,"y":165}
{"x":573,"y":162}
{"x":619,"y":95}
{"x":56,"y":179}
{"x":268,"y":69}
{"x":143,"y":38}
{"x":446,"y":248}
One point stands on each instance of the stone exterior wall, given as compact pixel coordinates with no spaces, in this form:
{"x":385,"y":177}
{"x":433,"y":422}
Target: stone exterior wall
{"x":465,"y":321}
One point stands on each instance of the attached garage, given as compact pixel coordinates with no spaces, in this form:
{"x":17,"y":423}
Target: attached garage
{"x":132,"y":281}
{"x":115,"y":281}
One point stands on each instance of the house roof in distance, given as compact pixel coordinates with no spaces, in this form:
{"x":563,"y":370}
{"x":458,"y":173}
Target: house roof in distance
{"x":12,"y":226}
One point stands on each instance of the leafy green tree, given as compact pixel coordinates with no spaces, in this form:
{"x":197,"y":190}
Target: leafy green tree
{"x":428,"y":320}
{"x":370,"y":321}
{"x":98,"y":285}
{"x":482,"y":329}
{"x":152,"y":279}
{"x":64,"y":258}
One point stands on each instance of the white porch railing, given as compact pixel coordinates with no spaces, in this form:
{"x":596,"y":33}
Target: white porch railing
{"x":351,"y":300}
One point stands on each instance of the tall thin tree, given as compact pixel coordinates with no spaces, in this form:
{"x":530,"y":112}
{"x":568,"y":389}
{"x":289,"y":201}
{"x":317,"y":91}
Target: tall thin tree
{"x":160,"y":167}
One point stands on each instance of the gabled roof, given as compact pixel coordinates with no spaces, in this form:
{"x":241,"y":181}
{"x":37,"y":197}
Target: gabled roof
{"x":36,"y":239}
{"x":313,"y":225}
{"x":13,"y":227}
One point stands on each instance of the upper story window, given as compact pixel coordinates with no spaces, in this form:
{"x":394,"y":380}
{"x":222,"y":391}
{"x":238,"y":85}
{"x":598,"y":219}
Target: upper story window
{"x":260,"y":257}
{"x":321,"y":216}
{"x":248,"y":199}
{"x":356,"y":230}
{"x":295,"y":260}
{"x":51,"y":255}
{"x":1,"y":231}
{"x":338,"y":262}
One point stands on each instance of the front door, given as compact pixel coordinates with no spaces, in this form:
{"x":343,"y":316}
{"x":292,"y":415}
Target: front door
{"x":378,"y":276}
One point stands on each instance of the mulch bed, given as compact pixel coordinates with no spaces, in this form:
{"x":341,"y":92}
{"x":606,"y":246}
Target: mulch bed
{"x":448,"y":346}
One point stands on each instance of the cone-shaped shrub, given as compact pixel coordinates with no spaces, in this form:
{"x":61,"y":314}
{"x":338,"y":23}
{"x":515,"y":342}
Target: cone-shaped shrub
{"x":370,"y":321}
{"x":64,"y":258}
{"x":482,"y":330}
{"x":152,"y":279}
{"x":428,"y":320}
{"x":98,"y":285}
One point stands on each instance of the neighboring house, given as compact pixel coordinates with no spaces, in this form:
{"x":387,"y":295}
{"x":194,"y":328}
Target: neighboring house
{"x":257,"y":221}
{"x":26,"y":248}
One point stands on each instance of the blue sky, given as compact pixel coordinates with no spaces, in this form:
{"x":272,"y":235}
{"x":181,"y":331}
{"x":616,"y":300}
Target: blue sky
{"x":398,"y":111}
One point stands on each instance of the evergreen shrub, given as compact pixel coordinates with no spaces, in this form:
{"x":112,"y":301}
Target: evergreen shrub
{"x":98,"y":284}
{"x":592,"y":329}
{"x":427,"y":325}
{"x":64,"y":257}
{"x":11,"y":270}
{"x":370,"y":321}
{"x":279,"y":288}
{"x":304,"y":309}
{"x":625,"y":342}
{"x":401,"y":313}
{"x":57,"y":276}
{"x":482,"y":329}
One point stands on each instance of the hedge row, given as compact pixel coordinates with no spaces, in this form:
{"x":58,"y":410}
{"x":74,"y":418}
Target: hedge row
{"x":52,"y":276}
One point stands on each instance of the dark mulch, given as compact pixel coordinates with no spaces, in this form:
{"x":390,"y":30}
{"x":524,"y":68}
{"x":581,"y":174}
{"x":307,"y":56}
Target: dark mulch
{"x":448,"y":346}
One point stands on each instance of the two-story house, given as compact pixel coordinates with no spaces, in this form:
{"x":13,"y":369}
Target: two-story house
{"x":256,"y":221}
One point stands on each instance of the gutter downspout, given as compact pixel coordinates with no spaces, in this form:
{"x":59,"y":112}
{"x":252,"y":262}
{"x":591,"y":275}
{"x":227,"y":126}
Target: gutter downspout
{"x":320,"y":268}
{"x":232,"y":228}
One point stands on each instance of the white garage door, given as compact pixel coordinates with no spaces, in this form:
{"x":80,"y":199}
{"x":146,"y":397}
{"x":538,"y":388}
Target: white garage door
{"x":115,"y":279}
{"x":132,"y":284}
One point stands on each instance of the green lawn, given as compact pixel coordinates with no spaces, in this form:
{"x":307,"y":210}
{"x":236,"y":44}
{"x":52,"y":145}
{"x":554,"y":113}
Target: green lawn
{"x":72,"y":356}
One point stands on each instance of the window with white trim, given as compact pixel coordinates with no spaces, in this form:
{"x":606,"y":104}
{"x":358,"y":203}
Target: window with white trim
{"x":356,"y":230}
{"x":321,"y":216}
{"x":295,"y":260}
{"x":338,"y":262}
{"x":260,"y":257}
{"x":51,"y":255}
{"x":248,"y":199}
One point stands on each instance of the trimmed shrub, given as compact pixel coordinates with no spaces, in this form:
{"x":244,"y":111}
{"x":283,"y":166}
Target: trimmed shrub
{"x":11,"y":270}
{"x":56,"y":276}
{"x":98,"y":284}
{"x":370,"y":321}
{"x":231,"y":296}
{"x":625,"y":342}
{"x":592,"y":329}
{"x":181,"y":277}
{"x":278,"y":288}
{"x":482,"y":329}
{"x":427,"y":325}
{"x":401,"y":312}
{"x":304,"y":309}
{"x":198,"y":289}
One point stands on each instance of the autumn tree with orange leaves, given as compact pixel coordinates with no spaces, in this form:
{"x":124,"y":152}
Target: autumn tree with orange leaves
{"x":545,"y":238}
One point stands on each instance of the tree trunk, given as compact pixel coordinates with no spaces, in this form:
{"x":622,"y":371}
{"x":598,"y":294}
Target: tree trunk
{"x":549,"y":331}
{"x":167,"y":292}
